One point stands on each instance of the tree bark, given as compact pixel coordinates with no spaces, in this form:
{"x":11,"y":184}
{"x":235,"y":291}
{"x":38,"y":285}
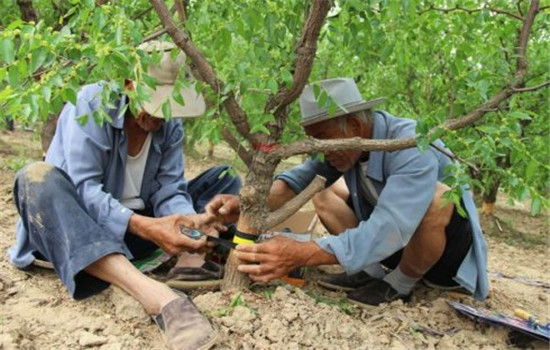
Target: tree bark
{"x":47,"y":133}
{"x":489,"y":199}
{"x":28,"y":12}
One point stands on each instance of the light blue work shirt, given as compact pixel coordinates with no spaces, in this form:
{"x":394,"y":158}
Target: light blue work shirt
{"x":94,"y":156}
{"x":405,"y":182}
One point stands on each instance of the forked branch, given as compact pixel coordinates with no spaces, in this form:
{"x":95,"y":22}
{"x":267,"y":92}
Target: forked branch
{"x":294,"y":204}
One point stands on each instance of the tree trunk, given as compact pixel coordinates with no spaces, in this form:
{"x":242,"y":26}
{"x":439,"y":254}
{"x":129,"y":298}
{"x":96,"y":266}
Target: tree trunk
{"x":10,"y":125}
{"x":489,"y":199}
{"x":210,"y":149}
{"x":252,"y":197}
{"x":48,"y":130}
{"x":28,"y":12}
{"x":233,"y":279}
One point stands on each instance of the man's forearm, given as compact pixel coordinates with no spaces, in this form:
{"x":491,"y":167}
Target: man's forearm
{"x":313,"y":255}
{"x":279,"y":194}
{"x":137,"y":225}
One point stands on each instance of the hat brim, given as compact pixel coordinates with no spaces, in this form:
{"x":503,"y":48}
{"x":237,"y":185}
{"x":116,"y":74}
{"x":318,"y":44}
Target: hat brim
{"x":194,"y":102}
{"x":348,"y":110}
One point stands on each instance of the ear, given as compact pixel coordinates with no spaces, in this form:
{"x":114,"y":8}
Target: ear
{"x":355,"y":126}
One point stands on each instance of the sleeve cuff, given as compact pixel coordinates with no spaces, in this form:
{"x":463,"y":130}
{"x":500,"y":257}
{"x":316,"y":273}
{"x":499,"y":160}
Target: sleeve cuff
{"x":332,"y":245}
{"x":119,"y":223}
{"x":290,"y":181}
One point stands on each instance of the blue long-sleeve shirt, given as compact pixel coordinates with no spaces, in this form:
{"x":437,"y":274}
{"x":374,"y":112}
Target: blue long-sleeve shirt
{"x":405,"y":182}
{"x":94,"y":156}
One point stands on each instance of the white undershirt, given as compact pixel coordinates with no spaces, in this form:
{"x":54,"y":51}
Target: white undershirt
{"x":133,"y":177}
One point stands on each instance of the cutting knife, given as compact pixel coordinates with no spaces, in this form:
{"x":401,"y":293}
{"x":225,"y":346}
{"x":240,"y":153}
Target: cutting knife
{"x":196,"y":234}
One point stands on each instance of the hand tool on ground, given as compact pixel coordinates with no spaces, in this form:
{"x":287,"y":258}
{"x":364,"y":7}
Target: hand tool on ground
{"x":532,"y":319}
{"x":196,"y":234}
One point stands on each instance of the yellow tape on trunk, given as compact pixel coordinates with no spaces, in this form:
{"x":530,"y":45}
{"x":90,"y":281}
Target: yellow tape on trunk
{"x":240,"y":240}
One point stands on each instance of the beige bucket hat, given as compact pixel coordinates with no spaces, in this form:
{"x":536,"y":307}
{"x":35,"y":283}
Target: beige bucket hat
{"x":166,"y":74}
{"x":343,"y":92}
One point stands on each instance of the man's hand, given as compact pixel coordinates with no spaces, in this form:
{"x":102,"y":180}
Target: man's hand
{"x":225,"y":207}
{"x":165,"y":232}
{"x":273,"y":258}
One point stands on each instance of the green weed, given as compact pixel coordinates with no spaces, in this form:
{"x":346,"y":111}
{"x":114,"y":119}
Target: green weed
{"x":343,"y":304}
{"x":15,"y":164}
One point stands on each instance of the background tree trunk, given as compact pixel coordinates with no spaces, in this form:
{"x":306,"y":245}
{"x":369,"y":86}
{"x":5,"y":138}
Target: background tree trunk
{"x":489,"y":197}
{"x":28,"y":12}
{"x":48,"y":130}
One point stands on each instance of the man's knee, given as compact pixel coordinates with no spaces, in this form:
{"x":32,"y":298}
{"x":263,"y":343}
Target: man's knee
{"x":35,"y":172}
{"x":40,"y":180}
{"x":440,"y":211}
{"x":322,"y":199}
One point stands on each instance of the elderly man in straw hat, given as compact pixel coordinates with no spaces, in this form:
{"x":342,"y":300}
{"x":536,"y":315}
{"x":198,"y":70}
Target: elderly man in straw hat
{"x":109,"y":193}
{"x":386,"y":214}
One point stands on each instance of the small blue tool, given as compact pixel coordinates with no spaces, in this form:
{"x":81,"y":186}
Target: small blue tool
{"x":196,"y":234}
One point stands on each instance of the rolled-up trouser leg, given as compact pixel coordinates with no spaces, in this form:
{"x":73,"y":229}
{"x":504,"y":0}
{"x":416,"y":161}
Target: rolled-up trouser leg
{"x":60,"y":228}
{"x":216,"y":180}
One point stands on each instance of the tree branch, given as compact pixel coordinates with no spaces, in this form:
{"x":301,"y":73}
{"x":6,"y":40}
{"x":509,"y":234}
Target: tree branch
{"x":143,"y":13}
{"x":237,"y":146}
{"x":474,"y":169}
{"x":155,"y":35}
{"x":533,"y":88}
{"x":305,"y":49}
{"x":208,"y":75}
{"x":459,"y":8}
{"x":523,"y":38}
{"x":294,"y":204}
{"x":311,"y":145}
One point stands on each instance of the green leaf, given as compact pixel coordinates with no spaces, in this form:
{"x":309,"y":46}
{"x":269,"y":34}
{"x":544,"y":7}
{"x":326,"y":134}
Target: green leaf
{"x":46,"y":93}
{"x":437,"y":133}
{"x":531,"y":169}
{"x":82,"y":119}
{"x":316,"y":91}
{"x":259,"y":127}
{"x":37,"y":59}
{"x":8,"y":50}
{"x":70,"y":95}
{"x":288,"y":78}
{"x":272,"y":85}
{"x":167,"y":110}
{"x":13,"y":76}
{"x":6,"y":93}
{"x":118,"y":36}
{"x":520,"y":115}
{"x":237,"y":300}
{"x":535,"y":206}
{"x":177,"y":96}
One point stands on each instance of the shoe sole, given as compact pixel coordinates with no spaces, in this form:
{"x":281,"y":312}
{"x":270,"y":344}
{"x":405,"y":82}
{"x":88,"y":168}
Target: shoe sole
{"x":457,"y":289}
{"x":43,"y":264}
{"x":362,"y":305}
{"x":211,"y":343}
{"x":334,"y":287}
{"x":193,"y":285}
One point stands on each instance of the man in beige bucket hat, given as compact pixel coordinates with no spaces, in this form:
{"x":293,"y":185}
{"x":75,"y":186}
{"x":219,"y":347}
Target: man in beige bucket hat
{"x":388,"y":211}
{"x":107,"y":194}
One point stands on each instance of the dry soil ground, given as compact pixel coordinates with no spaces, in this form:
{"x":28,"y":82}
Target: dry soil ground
{"x":37,"y":313}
